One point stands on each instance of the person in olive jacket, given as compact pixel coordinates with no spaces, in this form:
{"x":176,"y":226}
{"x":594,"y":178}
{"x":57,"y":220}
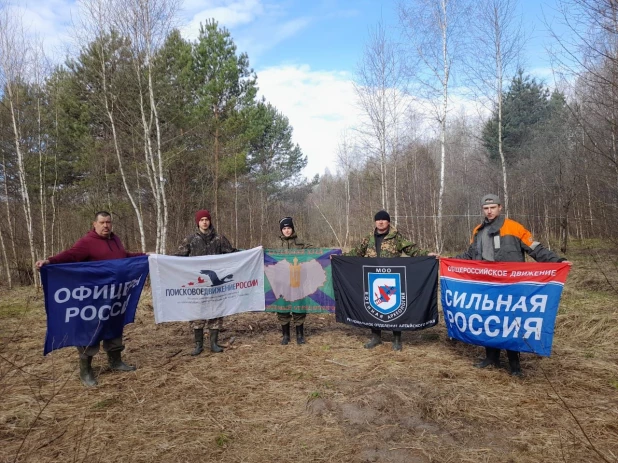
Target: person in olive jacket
{"x":386,"y":241}
{"x":289,"y":240}
{"x":205,"y":242}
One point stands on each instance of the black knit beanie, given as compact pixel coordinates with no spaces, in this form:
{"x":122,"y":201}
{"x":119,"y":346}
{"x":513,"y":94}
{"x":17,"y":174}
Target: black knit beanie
{"x":382,"y":215}
{"x":286,"y":222}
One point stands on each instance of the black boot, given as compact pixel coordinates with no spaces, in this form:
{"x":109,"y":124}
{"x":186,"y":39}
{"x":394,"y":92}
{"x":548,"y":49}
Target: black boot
{"x":199,"y":341}
{"x":85,"y":372}
{"x":214,"y":338}
{"x":492,"y":358}
{"x":300,"y":334}
{"x":376,"y":338}
{"x":285,"y":330}
{"x":514,"y":363}
{"x":396,"y":340}
{"x":116,"y":363}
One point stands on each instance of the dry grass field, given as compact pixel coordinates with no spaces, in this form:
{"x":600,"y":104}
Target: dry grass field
{"x":327,"y":401}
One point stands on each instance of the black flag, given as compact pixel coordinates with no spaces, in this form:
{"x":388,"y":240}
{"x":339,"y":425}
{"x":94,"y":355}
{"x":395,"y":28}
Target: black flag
{"x":386,"y":293}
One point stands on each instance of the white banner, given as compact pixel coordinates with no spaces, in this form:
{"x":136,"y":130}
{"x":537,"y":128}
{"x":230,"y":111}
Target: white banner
{"x":206,"y":287}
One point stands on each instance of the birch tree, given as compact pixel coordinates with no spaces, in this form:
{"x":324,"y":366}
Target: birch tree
{"x":495,"y":50}
{"x":378,"y":88}
{"x":434,"y":30}
{"x":345,"y":154}
{"x":587,"y":58}
{"x":96,"y":27}
{"x":38,"y":75}
{"x":14,"y":55}
{"x":147,"y":23}
{"x":9,"y":216}
{"x":5,"y":256}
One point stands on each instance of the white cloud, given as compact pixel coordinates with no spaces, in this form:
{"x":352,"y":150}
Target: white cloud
{"x":319,"y":105}
{"x":256,"y":26}
{"x":48,"y":21}
{"x":266,"y":34}
{"x":229,"y":13}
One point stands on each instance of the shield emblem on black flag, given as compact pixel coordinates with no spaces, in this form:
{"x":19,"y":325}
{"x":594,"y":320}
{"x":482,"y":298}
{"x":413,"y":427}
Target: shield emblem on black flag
{"x":385,"y":291}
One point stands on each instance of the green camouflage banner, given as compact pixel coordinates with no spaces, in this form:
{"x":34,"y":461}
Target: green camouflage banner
{"x":299,"y":280}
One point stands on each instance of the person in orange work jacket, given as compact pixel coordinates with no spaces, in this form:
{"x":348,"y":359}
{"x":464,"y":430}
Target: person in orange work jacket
{"x":499,"y":239}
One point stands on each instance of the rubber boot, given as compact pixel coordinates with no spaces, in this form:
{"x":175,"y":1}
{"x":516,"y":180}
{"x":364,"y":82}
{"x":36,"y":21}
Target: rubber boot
{"x":514,"y":363}
{"x":199,"y":341}
{"x":214,"y":338}
{"x":492,"y":358}
{"x":300,"y":334}
{"x":116,"y":363}
{"x":285,"y":330}
{"x":85,"y":372}
{"x":396,"y":340}
{"x":376,"y":338}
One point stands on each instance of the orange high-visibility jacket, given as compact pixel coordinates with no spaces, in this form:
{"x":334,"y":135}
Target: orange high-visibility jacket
{"x":511,"y":242}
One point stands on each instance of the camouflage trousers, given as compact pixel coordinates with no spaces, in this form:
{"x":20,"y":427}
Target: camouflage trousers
{"x":108,"y":345}
{"x":212,"y":324}
{"x":285,"y":318}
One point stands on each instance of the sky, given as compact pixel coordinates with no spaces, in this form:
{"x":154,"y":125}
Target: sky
{"x":304,"y":52}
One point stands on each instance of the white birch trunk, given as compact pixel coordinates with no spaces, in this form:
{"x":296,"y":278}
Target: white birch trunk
{"x":499,"y":84}
{"x":445,"y":79}
{"x":150,"y":162}
{"x":9,"y":281}
{"x":110,"y":116}
{"x":42,"y":199}
{"x":235,"y":204}
{"x":162,"y":198}
{"x":53,"y":202}
{"x":9,"y":216}
{"x":23,"y":186}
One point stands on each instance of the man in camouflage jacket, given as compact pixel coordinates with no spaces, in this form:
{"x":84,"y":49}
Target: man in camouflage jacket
{"x":385,"y":241}
{"x":205,"y":242}
{"x":391,"y":244}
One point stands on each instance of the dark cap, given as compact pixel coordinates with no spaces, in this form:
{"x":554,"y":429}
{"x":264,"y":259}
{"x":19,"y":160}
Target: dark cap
{"x":382,"y":215}
{"x":490,"y":199}
{"x":286,"y":222}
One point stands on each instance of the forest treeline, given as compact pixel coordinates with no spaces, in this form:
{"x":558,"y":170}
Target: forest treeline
{"x":151,"y":127}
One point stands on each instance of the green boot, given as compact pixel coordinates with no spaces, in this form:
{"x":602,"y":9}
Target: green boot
{"x":300,"y":334}
{"x":214,"y":338}
{"x":285,"y":330}
{"x":85,"y":372}
{"x":396,"y":340}
{"x":514,"y":363}
{"x":199,"y":341}
{"x":492,"y":358}
{"x":116,"y":363}
{"x":376,"y":338}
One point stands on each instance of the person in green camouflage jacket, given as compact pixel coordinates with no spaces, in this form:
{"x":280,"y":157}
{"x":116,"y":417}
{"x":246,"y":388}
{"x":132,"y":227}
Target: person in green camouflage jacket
{"x":385,"y":241}
{"x":289,"y":240}
{"x":205,"y":242}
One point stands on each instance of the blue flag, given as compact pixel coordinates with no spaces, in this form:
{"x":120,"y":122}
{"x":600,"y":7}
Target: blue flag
{"x":505,"y":305}
{"x":91,"y":301}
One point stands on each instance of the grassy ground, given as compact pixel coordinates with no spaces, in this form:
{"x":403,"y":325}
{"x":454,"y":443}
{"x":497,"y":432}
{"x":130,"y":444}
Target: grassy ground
{"x":327,"y":401}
